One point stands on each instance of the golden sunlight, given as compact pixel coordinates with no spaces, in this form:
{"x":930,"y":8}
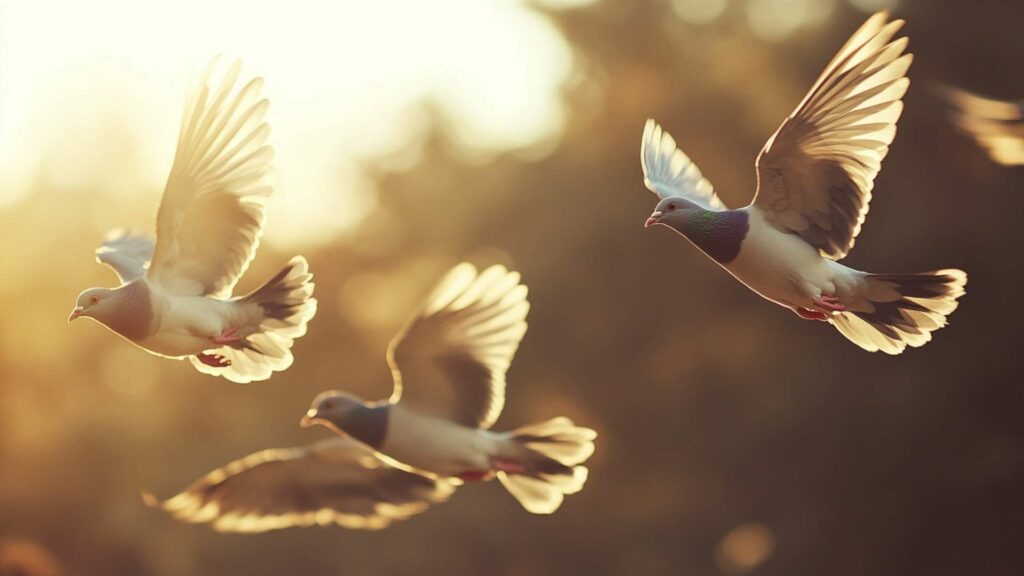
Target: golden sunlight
{"x":345,"y":81}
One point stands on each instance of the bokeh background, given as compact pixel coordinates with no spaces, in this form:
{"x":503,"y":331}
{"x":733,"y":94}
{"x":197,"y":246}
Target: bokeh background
{"x":735,"y":438}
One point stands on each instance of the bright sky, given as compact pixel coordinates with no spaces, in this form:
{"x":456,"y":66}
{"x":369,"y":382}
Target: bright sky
{"x":343,"y":77}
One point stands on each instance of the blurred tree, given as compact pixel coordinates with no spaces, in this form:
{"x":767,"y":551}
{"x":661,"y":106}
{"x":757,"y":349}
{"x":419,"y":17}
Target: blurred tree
{"x":717,"y":411}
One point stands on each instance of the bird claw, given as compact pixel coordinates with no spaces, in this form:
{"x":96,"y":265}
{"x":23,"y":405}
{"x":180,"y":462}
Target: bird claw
{"x":475,"y":475}
{"x":507,"y":466}
{"x":214,"y":360}
{"x":228,"y":336}
{"x":829,"y":303}
{"x":808,"y":314}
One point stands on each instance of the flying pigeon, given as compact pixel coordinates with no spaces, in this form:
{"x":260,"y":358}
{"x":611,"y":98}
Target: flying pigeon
{"x":394,"y":458}
{"x":175,"y":294}
{"x":996,"y":126}
{"x":815,"y":177}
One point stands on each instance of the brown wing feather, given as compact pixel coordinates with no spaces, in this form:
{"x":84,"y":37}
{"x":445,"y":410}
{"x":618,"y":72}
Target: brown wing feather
{"x":996,"y":126}
{"x":334,"y":481}
{"x":816,"y":173}
{"x":451,"y":359}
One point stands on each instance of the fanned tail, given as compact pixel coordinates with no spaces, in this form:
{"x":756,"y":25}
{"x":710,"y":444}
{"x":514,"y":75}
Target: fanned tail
{"x":552,"y":453}
{"x":901,"y":310}
{"x":287,"y":305}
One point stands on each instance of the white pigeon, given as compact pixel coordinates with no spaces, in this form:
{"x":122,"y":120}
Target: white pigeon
{"x":448,"y":366}
{"x":175,"y":298}
{"x":997,"y":126}
{"x":814,"y":182}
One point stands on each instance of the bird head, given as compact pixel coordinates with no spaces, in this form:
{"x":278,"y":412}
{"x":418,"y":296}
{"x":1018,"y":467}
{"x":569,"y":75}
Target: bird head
{"x":669,"y":210}
{"x":94,"y":303}
{"x":330,"y":408}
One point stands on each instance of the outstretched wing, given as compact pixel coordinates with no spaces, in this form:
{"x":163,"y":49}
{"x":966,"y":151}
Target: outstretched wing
{"x":669,"y":172}
{"x":127,"y":253}
{"x":334,"y":481}
{"x":815,"y":175}
{"x":996,"y":126}
{"x":451,"y":358}
{"x":211,"y":216}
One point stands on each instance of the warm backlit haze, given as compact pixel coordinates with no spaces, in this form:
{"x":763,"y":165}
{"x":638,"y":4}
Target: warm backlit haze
{"x":348,"y":81}
{"x":735,"y":438}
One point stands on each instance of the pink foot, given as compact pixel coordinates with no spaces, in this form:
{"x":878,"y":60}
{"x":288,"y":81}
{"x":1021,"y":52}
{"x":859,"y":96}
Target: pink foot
{"x":215,"y":360}
{"x":228,"y":336}
{"x":474,"y":476}
{"x":829,"y":303}
{"x":810,"y":314}
{"x":509,"y":466}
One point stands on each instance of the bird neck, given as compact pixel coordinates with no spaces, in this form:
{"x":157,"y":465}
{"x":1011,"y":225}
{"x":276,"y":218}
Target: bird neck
{"x":368,"y":424}
{"x":133,"y":315}
{"x":717,"y":234}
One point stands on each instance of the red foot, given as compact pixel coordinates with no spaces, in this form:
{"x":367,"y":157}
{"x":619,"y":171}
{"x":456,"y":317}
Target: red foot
{"x":228,"y":336}
{"x":474,"y":476}
{"x":215,"y":360}
{"x":829,"y":303}
{"x":509,"y":466}
{"x":810,"y":314}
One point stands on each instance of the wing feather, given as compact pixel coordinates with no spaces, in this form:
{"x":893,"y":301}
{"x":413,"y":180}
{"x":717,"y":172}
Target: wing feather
{"x":996,"y":126}
{"x":127,"y":253}
{"x":334,"y":481}
{"x":669,"y":172}
{"x":450,"y":359}
{"x":816,"y":173}
{"x":211,"y":217}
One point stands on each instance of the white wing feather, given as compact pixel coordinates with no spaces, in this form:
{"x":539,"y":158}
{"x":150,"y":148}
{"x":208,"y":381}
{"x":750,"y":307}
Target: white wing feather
{"x":669,"y":172}
{"x":211,"y":216}
{"x":451,"y":358}
{"x":127,"y":253}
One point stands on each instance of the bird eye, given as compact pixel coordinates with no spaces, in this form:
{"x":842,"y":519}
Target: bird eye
{"x":328,"y":404}
{"x":671,"y":207}
{"x":94,"y":299}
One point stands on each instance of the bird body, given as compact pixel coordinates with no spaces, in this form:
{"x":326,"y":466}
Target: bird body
{"x":780,"y":267}
{"x":427,"y":443}
{"x":815,"y":178}
{"x":176,"y":294}
{"x":449,"y":367}
{"x":400,"y":455}
{"x":182,"y":326}
{"x":437,"y":445}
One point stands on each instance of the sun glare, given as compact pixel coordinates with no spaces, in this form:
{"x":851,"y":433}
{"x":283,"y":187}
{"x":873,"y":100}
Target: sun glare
{"x":344,"y":78}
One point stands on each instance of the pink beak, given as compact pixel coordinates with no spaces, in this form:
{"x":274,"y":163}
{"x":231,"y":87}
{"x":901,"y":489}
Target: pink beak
{"x":308,"y":419}
{"x":652,"y":219}
{"x":75,"y":313}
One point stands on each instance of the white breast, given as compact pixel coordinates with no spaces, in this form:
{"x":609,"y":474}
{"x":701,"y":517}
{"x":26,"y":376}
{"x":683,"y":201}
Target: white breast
{"x":781,"y":267}
{"x":435,"y":445}
{"x":186,"y":325}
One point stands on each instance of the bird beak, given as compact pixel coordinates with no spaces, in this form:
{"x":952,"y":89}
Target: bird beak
{"x":308,"y":419}
{"x":652,"y":219}
{"x":75,"y":313}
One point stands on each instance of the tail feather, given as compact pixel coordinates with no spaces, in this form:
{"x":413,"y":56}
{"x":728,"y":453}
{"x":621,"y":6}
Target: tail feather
{"x":901,"y":310}
{"x":553,"y":453}
{"x":287,"y":305}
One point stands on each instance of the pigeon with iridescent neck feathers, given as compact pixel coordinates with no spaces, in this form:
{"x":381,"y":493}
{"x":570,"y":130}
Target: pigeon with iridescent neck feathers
{"x":448,"y":367}
{"x":175,"y":298}
{"x":815,"y":177}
